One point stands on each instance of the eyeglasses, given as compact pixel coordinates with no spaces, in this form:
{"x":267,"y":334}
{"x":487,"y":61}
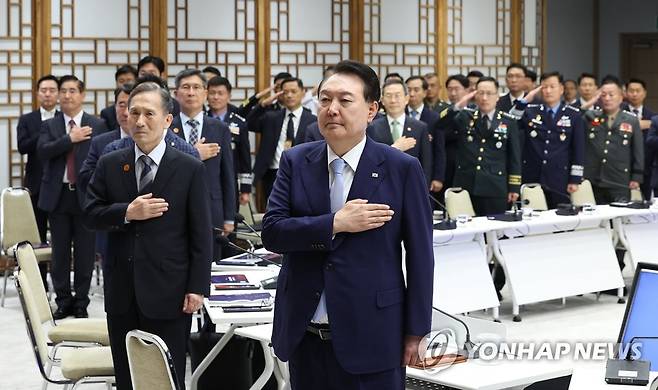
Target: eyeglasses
{"x":192,"y":87}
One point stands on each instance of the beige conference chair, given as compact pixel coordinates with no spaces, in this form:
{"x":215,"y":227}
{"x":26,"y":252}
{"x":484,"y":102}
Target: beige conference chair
{"x":19,"y":224}
{"x":74,"y":332}
{"x":151,"y":364}
{"x":584,"y":195}
{"x":532,"y":196}
{"x":636,"y":196}
{"x":78,"y":365}
{"x":458,"y":202}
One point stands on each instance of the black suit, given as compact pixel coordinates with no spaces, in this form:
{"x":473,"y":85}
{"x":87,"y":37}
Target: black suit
{"x":505,"y":103}
{"x":220,"y":177}
{"x":109,"y":115}
{"x":269,"y":123}
{"x":27,"y":137}
{"x":63,"y":202}
{"x":152,"y":264}
{"x":431,"y":119}
{"x":380,"y":131}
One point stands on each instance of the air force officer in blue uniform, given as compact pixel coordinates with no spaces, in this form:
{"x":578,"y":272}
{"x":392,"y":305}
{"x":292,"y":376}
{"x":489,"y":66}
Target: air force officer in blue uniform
{"x":339,"y":210}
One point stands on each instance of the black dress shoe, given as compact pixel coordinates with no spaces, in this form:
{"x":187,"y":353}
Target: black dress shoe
{"x":81,"y":313}
{"x":61,"y":313}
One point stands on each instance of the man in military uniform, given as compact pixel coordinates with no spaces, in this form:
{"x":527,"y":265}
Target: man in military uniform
{"x":489,"y":151}
{"x":433,"y":94}
{"x":553,"y":142}
{"x":614,"y":151}
{"x":219,"y":95}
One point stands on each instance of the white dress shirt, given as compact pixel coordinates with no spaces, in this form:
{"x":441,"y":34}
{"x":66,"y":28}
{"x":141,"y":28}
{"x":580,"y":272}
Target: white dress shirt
{"x":187,"y":129}
{"x":45,"y":114}
{"x":78,"y":120}
{"x":282,"y":136}
{"x":156,"y":156}
{"x":639,"y":110}
{"x":419,"y":110}
{"x":352,"y":158}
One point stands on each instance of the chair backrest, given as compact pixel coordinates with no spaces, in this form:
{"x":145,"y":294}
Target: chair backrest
{"x":151,"y":365}
{"x":18,"y":222}
{"x":584,"y":195}
{"x":458,"y":201}
{"x":636,"y":196}
{"x":27,"y":263}
{"x":532,"y":196}
{"x":35,"y":331}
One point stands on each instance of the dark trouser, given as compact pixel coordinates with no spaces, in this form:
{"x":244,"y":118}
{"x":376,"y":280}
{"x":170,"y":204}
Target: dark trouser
{"x":66,"y":228}
{"x":484,"y":205}
{"x":646,"y":188}
{"x":313,"y":365}
{"x":174,"y":333}
{"x":553,"y":199}
{"x":42,"y":224}
{"x":606,"y":195}
{"x":268,"y":182}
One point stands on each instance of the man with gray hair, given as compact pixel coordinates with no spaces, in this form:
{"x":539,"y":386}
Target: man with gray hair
{"x":159,"y":242}
{"x":212,"y":138}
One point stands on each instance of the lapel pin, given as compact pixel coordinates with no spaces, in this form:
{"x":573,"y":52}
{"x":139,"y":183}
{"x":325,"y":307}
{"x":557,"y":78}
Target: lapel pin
{"x":375,"y":174}
{"x":176,"y":130}
{"x":126,"y":167}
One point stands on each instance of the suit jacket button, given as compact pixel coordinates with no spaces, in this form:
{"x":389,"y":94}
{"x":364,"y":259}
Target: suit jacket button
{"x":130,"y":258}
{"x":317,"y":295}
{"x":329,"y":266}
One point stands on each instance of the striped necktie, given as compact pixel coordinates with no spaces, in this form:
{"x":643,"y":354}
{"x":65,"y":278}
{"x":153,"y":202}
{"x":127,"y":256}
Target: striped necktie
{"x":148,"y":174}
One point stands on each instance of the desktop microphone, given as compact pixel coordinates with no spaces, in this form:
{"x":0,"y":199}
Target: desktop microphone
{"x":239,"y":218}
{"x":563,"y":208}
{"x":269,"y":283}
{"x":469,"y":345}
{"x":446,"y":223}
{"x":216,"y":229}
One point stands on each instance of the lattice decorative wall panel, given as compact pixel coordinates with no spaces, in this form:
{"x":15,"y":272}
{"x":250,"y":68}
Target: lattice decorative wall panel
{"x":308,"y":35}
{"x":91,"y":38}
{"x":15,"y":82}
{"x":219,"y":33}
{"x":479,"y":37}
{"x":531,"y":34}
{"x":400,"y":36}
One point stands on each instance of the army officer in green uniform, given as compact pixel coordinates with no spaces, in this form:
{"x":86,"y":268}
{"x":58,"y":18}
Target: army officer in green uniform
{"x":614,"y":150}
{"x":488,"y":162}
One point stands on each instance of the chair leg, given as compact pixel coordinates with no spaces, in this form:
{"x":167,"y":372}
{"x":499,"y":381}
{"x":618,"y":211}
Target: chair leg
{"x":4,"y":286}
{"x":49,"y":369}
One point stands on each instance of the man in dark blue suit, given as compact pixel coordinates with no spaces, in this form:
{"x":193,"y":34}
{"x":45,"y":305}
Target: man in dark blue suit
{"x":339,"y":210}
{"x":125,"y":74}
{"x":515,"y":76}
{"x":636,"y":93}
{"x":400,"y":130}
{"x":63,"y":146}
{"x":651,"y":144}
{"x":417,"y":109}
{"x":212,"y":138}
{"x":152,"y":199}
{"x":279,"y":129}
{"x":219,"y":95}
{"x":553,"y":142}
{"x":27,"y":137}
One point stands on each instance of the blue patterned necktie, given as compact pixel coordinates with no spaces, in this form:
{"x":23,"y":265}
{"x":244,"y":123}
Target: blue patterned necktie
{"x":147,"y":175}
{"x":338,"y":186}
{"x":194,"y":131}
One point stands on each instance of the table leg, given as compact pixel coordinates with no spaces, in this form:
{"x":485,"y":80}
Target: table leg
{"x":269,"y":367}
{"x":496,"y":314}
{"x":211,"y":356}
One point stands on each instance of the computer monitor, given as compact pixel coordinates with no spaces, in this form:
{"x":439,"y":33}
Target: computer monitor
{"x":641,"y":317}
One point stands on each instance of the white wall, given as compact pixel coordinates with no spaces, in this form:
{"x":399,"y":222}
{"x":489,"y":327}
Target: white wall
{"x":622,"y":16}
{"x":569,"y":28}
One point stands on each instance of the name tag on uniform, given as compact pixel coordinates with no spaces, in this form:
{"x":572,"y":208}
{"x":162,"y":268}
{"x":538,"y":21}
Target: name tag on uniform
{"x":626,"y":127}
{"x":234,"y":129}
{"x":565,"y":121}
